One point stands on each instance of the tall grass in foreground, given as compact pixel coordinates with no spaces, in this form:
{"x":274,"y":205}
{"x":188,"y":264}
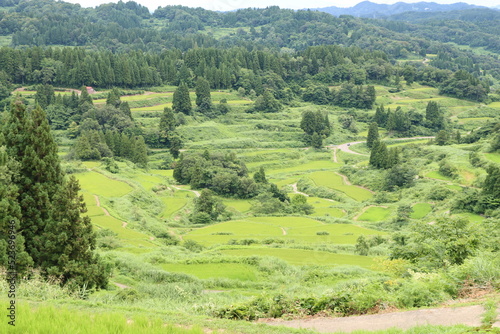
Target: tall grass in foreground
{"x":48,"y":319}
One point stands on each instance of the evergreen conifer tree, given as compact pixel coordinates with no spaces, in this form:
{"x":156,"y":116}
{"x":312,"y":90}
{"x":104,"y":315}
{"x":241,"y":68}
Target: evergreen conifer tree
{"x":372,"y":135}
{"x":10,"y":216}
{"x":29,"y":141}
{"x":175,"y":145}
{"x":380,"y":116}
{"x":140,"y":154}
{"x":316,"y":140}
{"x":379,"y":157}
{"x":181,"y":101}
{"x":434,"y":116}
{"x":56,"y":237}
{"x":202,"y":91}
{"x":85,"y":96}
{"x":260,"y":176}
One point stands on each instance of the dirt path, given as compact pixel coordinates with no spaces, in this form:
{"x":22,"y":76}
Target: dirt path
{"x":335,"y":155}
{"x":468,"y":315}
{"x":346,"y":180}
{"x":197,"y":193}
{"x":98,"y":203}
{"x":295,"y":190}
{"x":121,"y":286}
{"x":23,"y":89}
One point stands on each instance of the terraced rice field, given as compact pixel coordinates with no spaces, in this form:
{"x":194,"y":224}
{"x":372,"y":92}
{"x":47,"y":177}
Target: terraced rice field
{"x":325,"y":207}
{"x":495,"y":157}
{"x":437,"y":175}
{"x":172,"y":205}
{"x":420,"y":210}
{"x":239,"y":271}
{"x":238,"y":204}
{"x":101,"y":185}
{"x":375,"y":214}
{"x":336,"y":182}
{"x":299,"y":229}
{"x":304,"y":257}
{"x":127,"y":235}
{"x":312,"y":165}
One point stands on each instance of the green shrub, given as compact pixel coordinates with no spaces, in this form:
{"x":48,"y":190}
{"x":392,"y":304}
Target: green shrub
{"x":424,"y":290}
{"x":193,"y":246}
{"x":484,"y":268}
{"x":127,"y":295}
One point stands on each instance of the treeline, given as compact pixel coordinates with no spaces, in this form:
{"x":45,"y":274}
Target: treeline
{"x":231,"y":68}
{"x":237,"y":68}
{"x":95,"y":144}
{"x":408,"y":123}
{"x":474,"y":27}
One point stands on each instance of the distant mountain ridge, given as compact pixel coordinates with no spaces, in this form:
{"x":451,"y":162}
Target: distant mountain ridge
{"x":374,"y":10}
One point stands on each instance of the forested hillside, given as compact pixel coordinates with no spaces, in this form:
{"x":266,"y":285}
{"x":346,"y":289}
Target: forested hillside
{"x":193,"y":168}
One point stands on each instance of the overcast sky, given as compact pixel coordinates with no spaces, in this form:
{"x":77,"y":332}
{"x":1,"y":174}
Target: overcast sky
{"x":224,"y":5}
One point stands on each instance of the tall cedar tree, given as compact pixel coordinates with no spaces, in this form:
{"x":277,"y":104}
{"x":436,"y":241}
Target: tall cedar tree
{"x":380,"y":116}
{"x":434,"y":116}
{"x":85,"y":96}
{"x":45,"y":95}
{"x":10,"y":212}
{"x":56,"y":237}
{"x":181,"y":101}
{"x":315,"y":122}
{"x":383,"y":158}
{"x":140,"y":152}
{"x":316,"y":140}
{"x":260,"y":176}
{"x":70,"y":241}
{"x":372,"y":135}
{"x":29,"y":141}
{"x":202,"y":91}
{"x":491,"y":188}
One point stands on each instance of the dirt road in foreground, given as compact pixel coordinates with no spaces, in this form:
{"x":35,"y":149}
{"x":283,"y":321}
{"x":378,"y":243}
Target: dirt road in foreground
{"x":467,"y":315}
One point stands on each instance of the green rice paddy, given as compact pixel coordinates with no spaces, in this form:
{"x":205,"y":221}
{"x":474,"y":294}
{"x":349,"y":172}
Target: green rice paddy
{"x":126,"y":234}
{"x":99,"y":184}
{"x":303,"y":257}
{"x":336,"y":182}
{"x":375,"y":214}
{"x":238,"y":204}
{"x":437,"y":175}
{"x":325,"y":207}
{"x":172,"y":205}
{"x":495,"y":157}
{"x":238,"y":271}
{"x":298,"y":229}
{"x":420,"y":210}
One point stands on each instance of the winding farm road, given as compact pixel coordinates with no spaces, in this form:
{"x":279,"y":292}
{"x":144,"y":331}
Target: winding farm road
{"x":346,"y":146}
{"x":197,"y":193}
{"x":295,"y":190}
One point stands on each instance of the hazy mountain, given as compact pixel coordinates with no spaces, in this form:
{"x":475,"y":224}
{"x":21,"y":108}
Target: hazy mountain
{"x":374,"y":10}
